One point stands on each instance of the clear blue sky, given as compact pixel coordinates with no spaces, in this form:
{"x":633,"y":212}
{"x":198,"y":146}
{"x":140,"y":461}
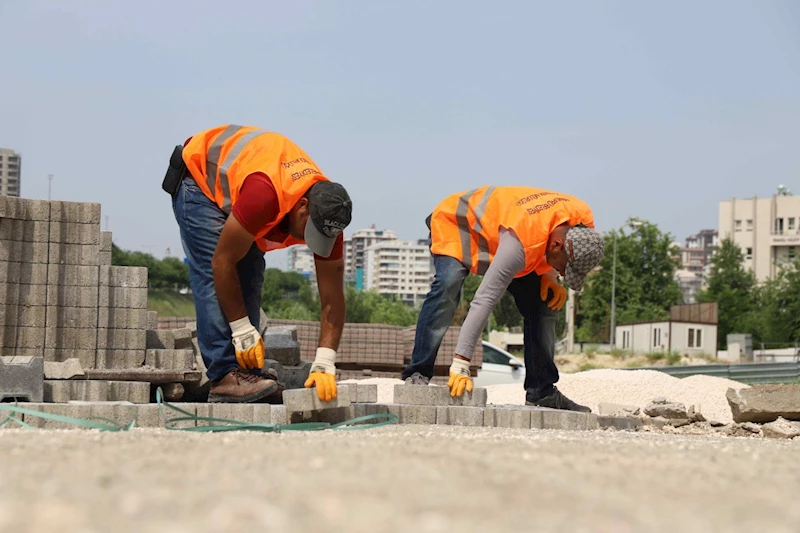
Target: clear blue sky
{"x":657,"y":110}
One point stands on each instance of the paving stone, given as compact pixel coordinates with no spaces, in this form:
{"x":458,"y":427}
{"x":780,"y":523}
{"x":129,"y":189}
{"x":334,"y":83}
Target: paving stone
{"x":71,"y":338}
{"x":22,"y":378}
{"x":262,"y":413}
{"x":282,"y":349}
{"x":437,"y":395}
{"x":183,"y":338}
{"x":76,"y":212}
{"x":63,"y":369}
{"x":74,"y":233}
{"x":24,"y":252}
{"x":71,"y":317}
{"x":119,"y":359}
{"x":280,"y":331}
{"x":566,"y":420}
{"x":367,"y":393}
{"x":191,"y":408}
{"x":123,"y":276}
{"x":106,"y":241}
{"x":666,"y":410}
{"x":228,"y":411}
{"x":623,"y":423}
{"x":80,"y":275}
{"x":294,"y":377}
{"x":456,"y":415}
{"x":507,"y":416}
{"x":28,"y":273}
{"x":148,"y":416}
{"x":160,"y":339}
{"x":152,"y":320}
{"x":22,"y":337}
{"x":23,"y":315}
{"x":23,"y":294}
{"x":298,"y":400}
{"x":130,"y":391}
{"x":765,"y":403}
{"x":74,"y":411}
{"x":132,"y":298}
{"x":122,"y":318}
{"x":12,"y":229}
{"x":70,"y":296}
{"x":121,"y":339}
{"x":74,"y":254}
{"x":170,"y":359}
{"x":24,"y":208}
{"x":87,"y":358}
{"x":414,"y":414}
{"x":278,"y":414}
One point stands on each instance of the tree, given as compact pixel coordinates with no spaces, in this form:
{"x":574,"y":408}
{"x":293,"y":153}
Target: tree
{"x":645,"y":283}
{"x":775,"y":317}
{"x":169,"y":273}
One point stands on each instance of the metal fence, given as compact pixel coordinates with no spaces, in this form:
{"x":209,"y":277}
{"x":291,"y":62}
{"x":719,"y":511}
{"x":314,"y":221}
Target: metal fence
{"x":749,"y":373}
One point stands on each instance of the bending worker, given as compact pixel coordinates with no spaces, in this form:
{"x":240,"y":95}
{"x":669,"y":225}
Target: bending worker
{"x":239,"y":192}
{"x":519,"y":239}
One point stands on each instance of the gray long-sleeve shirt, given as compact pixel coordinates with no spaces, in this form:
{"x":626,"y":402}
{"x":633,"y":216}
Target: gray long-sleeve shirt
{"x":508,"y":261}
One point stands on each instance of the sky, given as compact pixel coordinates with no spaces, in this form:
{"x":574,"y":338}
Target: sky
{"x":642,"y":109}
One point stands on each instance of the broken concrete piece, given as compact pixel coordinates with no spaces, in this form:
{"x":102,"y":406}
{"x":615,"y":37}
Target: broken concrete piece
{"x":751,"y":427}
{"x":624,"y":423}
{"x":22,"y":378}
{"x":64,"y":369}
{"x":678,"y":422}
{"x":615,"y":409}
{"x":658,"y":400}
{"x":666,"y":410}
{"x":765,"y":403}
{"x":781,"y":429}
{"x":694,"y":414}
{"x":658,"y":422}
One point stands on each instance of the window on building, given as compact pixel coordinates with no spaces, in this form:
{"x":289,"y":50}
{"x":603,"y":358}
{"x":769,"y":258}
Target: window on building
{"x":749,"y":224}
{"x":792,"y":253}
{"x":790,"y":223}
{"x":738,"y":225}
{"x":748,"y":253}
{"x":626,"y":340}
{"x":695,"y":338}
{"x":656,"y":337}
{"x":778,"y":226}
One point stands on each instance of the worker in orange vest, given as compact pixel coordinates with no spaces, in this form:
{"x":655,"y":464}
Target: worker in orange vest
{"x":237,"y":193}
{"x":519,"y":239}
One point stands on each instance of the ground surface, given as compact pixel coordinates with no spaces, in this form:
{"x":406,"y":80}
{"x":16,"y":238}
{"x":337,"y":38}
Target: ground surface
{"x":398,"y":478}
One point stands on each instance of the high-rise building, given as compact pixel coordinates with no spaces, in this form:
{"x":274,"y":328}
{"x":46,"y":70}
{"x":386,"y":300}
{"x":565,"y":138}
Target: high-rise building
{"x":10,"y":172}
{"x":301,"y":260}
{"x":354,"y":248}
{"x":399,"y":268}
{"x":695,"y":256}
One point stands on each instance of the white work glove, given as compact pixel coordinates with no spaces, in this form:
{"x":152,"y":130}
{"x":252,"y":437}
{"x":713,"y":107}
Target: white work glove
{"x":323,"y":374}
{"x":249,"y":344}
{"x":460,"y":379}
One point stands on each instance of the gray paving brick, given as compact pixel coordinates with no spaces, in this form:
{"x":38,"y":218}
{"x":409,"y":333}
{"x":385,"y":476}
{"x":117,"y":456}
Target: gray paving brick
{"x":507,"y":416}
{"x":437,"y":395}
{"x":456,"y":415}
{"x":62,"y":391}
{"x":104,"y":258}
{"x":106,"y":241}
{"x":564,"y":420}
{"x":74,"y":254}
{"x":22,"y":378}
{"x":228,"y":411}
{"x":12,"y":229}
{"x":262,"y":413}
{"x":122,"y":339}
{"x":122,"y":318}
{"x":297,"y":400}
{"x":148,"y":416}
{"x":283,"y":349}
{"x":366,"y":393}
{"x":23,"y":294}
{"x":70,"y":296}
{"x":123,"y":276}
{"x":414,"y":414}
{"x":23,"y":315}
{"x":132,"y":298}
{"x":22,"y":337}
{"x":170,"y":359}
{"x":71,"y":317}
{"x":183,"y":338}
{"x":24,"y":208}
{"x":24,"y":252}
{"x":86,"y":357}
{"x":80,"y":275}
{"x":623,"y":423}
{"x":129,"y":391}
{"x":74,"y":233}
{"x":74,"y":411}
{"x":294,"y":377}
{"x":63,"y":369}
{"x":281,"y":331}
{"x":364,"y":409}
{"x":278,"y":414}
{"x":28,"y":273}
{"x":76,"y":212}
{"x":71,"y":338}
{"x":191,"y":408}
{"x":152,"y":320}
{"x":116,"y":359}
{"x":161,"y":339}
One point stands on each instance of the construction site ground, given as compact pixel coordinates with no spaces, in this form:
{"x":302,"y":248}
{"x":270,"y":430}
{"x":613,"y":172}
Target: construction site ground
{"x":395,"y":478}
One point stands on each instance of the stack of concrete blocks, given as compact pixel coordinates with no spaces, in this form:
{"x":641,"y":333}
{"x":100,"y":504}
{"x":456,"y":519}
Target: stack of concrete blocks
{"x":283,"y":354}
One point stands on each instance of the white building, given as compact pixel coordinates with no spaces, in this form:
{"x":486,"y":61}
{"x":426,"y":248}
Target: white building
{"x":10,"y":172}
{"x":355,"y":247}
{"x":301,"y":260}
{"x":666,"y":336}
{"x":695,"y":256}
{"x":766,"y":229}
{"x":400,"y":268}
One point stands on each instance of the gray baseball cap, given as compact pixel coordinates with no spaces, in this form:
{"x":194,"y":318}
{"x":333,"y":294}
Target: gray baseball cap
{"x":330,"y":212}
{"x":585,"y":248}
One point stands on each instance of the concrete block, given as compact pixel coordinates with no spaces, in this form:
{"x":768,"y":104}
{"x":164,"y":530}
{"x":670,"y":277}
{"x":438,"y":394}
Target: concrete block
{"x":565,"y":420}
{"x":123,"y":276}
{"x":116,"y":359}
{"x":57,"y":391}
{"x":122,"y":318}
{"x":74,"y":233}
{"x":74,"y":254}
{"x":80,"y":275}
{"x":122,"y":339}
{"x":71,"y":317}
{"x":24,"y":208}
{"x":507,"y":416}
{"x":71,"y":338}
{"x":129,"y":391}
{"x":62,"y":391}
{"x":22,"y":378}
{"x":367,"y":393}
{"x":12,"y":229}
{"x":279,"y":415}
{"x":280,"y":331}
{"x":262,"y":413}
{"x":86,"y":357}
{"x":132,"y":298}
{"x":70,"y":296}
{"x":148,"y":416}
{"x":152,"y":320}
{"x":669,"y":410}
{"x":23,"y":315}
{"x":104,"y":258}
{"x":23,"y":294}
{"x":28,"y":273}
{"x":160,"y":339}
{"x":459,"y":415}
{"x":183,"y":338}
{"x":75,"y":411}
{"x":294,"y":377}
{"x":191,"y":408}
{"x":414,"y":414}
{"x":22,"y":337}
{"x":170,"y":359}
{"x":63,"y":369}
{"x":24,"y":252}
{"x":282,"y":349}
{"x":765,"y":403}
{"x":437,"y":395}
{"x":76,"y":212}
{"x":297,"y":400}
{"x":106,"y":241}
{"x":239,"y":412}
{"x":622,"y":423}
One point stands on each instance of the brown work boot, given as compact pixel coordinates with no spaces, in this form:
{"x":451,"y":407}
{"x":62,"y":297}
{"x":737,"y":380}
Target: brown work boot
{"x":240,"y":386}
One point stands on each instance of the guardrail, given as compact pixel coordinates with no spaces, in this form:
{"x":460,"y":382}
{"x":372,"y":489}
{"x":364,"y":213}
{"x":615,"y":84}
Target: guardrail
{"x":749,"y":373}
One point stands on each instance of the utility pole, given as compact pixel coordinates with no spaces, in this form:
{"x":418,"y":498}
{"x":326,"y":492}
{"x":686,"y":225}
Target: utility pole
{"x":49,"y":185}
{"x":613,"y":291}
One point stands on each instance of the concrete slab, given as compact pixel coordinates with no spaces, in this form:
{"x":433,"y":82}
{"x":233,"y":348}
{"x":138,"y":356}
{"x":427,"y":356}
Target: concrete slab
{"x":455,"y":415}
{"x":298,"y":400}
{"x":22,"y":378}
{"x":63,"y":369}
{"x":765,"y":403}
{"x":437,"y":395}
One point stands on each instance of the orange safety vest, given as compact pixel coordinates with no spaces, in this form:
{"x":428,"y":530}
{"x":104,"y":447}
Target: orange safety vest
{"x":467,"y":224}
{"x":219,"y":159}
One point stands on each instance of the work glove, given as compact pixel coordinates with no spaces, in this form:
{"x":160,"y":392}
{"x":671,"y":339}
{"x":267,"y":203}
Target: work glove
{"x":323,"y":374}
{"x":460,"y":379}
{"x":248,"y":343}
{"x":559,"y":292}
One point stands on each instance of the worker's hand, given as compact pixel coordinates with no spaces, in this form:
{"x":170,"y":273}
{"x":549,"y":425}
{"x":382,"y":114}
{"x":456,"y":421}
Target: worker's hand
{"x":559,"y":292}
{"x":248,"y":343}
{"x":460,"y":379}
{"x":323,"y":374}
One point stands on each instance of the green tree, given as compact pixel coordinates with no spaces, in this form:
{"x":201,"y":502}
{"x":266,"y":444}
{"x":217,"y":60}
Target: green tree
{"x":776,"y":314}
{"x":168,"y":273}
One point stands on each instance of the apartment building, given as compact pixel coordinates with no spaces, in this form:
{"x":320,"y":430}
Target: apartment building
{"x":400,"y":268}
{"x":355,"y":248}
{"x":695,"y":256}
{"x":301,"y":260}
{"x":766,"y":229}
{"x":10,"y":172}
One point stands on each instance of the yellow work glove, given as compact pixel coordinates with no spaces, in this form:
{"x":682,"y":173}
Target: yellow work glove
{"x":559,"y":292}
{"x":248,"y":343}
{"x":460,"y":379}
{"x":323,"y":374}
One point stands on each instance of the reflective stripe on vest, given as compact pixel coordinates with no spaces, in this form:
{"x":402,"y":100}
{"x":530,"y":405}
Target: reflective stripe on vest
{"x":483,"y":246}
{"x":213,"y":161}
{"x":464,"y":230}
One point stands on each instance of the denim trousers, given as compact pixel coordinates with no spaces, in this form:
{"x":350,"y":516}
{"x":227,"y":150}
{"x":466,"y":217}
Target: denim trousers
{"x":436,"y":315}
{"x":201,"y":221}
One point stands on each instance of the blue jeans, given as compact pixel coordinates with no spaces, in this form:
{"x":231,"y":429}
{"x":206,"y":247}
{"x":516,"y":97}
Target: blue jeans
{"x":200,"y":221}
{"x":436,"y":315}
